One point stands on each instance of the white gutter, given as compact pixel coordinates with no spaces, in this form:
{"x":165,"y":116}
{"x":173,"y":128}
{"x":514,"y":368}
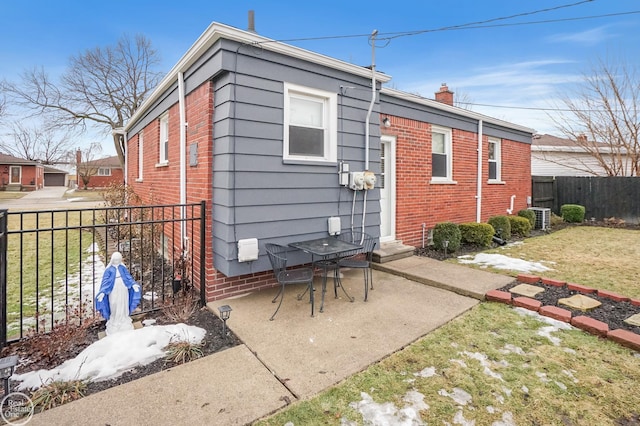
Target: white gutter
{"x":455,"y":110}
{"x":183,"y":162}
{"x":479,"y":190}
{"x":217,"y":31}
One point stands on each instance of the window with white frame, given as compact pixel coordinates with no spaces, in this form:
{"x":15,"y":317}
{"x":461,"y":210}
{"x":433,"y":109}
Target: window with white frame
{"x":163,"y":148}
{"x":495,"y":163}
{"x":310,"y":124}
{"x":140,"y":155}
{"x":441,"y":155}
{"x":104,"y":171}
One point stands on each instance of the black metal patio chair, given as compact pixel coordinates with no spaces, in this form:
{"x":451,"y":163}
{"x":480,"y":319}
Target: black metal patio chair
{"x":278,"y":258}
{"x":360,"y":258}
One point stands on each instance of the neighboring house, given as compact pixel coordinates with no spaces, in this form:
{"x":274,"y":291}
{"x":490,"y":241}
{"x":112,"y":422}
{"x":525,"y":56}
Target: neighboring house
{"x":269,"y":135}
{"x":554,"y":156}
{"x":18,"y":174}
{"x":55,"y":177}
{"x":102,"y":172}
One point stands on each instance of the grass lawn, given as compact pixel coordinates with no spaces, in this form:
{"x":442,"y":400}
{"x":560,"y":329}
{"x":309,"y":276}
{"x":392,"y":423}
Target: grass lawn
{"x":602,"y":258}
{"x":46,"y":258}
{"x":496,"y":364}
{"x":87,"y":195}
{"x":11,"y":195}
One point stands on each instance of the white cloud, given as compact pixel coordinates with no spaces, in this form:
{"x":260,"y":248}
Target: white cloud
{"x":588,"y":37}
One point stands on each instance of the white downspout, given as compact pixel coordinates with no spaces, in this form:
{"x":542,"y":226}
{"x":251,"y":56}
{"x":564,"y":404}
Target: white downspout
{"x":479,"y":188}
{"x":183,"y":163}
{"x":373,"y":99}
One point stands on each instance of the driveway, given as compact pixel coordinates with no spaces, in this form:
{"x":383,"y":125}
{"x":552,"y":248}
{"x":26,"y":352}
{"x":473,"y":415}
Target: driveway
{"x":49,"y":198}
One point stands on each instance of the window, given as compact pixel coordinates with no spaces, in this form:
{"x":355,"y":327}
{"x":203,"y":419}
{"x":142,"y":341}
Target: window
{"x":163,"y":148}
{"x":104,"y":171}
{"x":310,"y":123}
{"x":494,"y":159}
{"x":441,"y":158}
{"x":140,"y":155}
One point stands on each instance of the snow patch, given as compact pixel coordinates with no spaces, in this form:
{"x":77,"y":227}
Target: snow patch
{"x":113,"y":355}
{"x":426,"y":372}
{"x":500,"y":261}
{"x":387,"y":413}
{"x":460,"y":396}
{"x":507,"y":420}
{"x":484,"y":362}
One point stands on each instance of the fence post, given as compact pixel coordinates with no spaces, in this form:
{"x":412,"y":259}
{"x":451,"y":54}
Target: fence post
{"x":203,"y":254}
{"x":3,"y":278}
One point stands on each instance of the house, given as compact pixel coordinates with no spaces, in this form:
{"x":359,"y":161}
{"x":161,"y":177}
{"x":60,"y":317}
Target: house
{"x":98,"y":173}
{"x":19,"y":174}
{"x":274,"y":138}
{"x":554,"y":156}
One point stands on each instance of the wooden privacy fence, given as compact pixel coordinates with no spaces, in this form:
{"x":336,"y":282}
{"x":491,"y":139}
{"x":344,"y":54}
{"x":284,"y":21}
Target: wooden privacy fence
{"x":602,"y":197}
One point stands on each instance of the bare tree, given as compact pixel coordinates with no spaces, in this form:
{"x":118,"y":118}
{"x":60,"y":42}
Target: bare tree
{"x":87,"y":162}
{"x":604,"y":118}
{"x":103,"y":86}
{"x":37,"y":144}
{"x":463,"y":100}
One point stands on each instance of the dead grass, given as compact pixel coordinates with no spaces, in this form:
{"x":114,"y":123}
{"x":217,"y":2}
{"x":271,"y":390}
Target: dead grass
{"x":583,"y":380}
{"x":602,"y":258}
{"x":11,"y":195}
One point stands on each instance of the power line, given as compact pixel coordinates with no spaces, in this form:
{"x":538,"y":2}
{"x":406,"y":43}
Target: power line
{"x":535,"y":108}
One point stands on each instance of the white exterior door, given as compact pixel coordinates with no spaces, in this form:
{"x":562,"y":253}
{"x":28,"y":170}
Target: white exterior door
{"x":388,"y":189}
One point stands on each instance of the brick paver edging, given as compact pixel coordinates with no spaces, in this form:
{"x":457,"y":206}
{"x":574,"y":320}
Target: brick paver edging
{"x":598,"y":328}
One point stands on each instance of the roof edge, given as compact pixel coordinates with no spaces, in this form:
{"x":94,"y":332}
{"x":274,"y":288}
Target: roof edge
{"x":217,"y":31}
{"x":455,"y":110}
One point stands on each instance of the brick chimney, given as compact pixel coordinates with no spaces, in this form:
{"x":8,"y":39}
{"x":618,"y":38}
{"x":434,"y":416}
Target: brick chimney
{"x":78,"y":161}
{"x":445,"y":95}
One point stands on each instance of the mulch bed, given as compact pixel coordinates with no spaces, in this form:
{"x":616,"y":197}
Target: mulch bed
{"x":214,"y":341}
{"x":609,"y":312}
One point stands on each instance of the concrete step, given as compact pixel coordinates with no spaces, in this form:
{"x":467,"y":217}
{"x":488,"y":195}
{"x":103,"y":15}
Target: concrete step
{"x":392,"y":250}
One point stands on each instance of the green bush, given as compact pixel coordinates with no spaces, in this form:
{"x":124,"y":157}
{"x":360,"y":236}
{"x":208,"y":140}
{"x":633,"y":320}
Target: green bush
{"x":446,"y":231}
{"x":477,"y":233}
{"x":520,"y":226}
{"x":572,"y":213}
{"x":529,"y":214}
{"x":502,"y":225}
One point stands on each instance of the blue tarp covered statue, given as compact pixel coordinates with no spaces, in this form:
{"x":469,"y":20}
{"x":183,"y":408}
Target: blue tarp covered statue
{"x":119,"y":295}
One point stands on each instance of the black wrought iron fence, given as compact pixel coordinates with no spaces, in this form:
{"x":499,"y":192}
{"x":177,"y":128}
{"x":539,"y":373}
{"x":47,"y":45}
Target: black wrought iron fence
{"x":51,"y":261}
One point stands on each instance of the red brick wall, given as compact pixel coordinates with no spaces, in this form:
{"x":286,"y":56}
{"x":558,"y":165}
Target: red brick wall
{"x":160,"y":185}
{"x":117,"y":176}
{"x":32,"y":177}
{"x":419,"y":201}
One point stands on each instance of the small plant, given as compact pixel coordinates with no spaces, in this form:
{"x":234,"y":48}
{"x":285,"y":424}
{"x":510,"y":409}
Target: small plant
{"x":56,"y":393}
{"x":479,"y":234}
{"x":572,"y":213}
{"x":502,"y":225}
{"x":530,"y":215}
{"x":555,"y":220}
{"x":446,"y":231}
{"x":183,"y":308}
{"x":520,"y":226}
{"x":181,"y":351}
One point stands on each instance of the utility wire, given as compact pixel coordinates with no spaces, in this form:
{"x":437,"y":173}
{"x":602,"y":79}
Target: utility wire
{"x":452,"y":28}
{"x":535,"y":108}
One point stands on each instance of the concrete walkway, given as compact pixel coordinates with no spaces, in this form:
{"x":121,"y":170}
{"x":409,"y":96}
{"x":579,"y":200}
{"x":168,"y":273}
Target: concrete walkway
{"x":294,"y":357}
{"x":49,"y":198}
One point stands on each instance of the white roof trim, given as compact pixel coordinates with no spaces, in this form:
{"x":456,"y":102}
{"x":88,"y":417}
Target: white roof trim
{"x":217,"y":31}
{"x":575,"y":149}
{"x":455,"y":110}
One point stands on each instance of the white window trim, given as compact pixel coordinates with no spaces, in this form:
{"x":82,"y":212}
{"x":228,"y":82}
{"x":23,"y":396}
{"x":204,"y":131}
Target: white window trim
{"x":163,"y":159}
{"x":101,"y":171}
{"x":498,"y":160}
{"x":330,"y":101}
{"x":140,"y":156}
{"x":19,"y":175}
{"x":449,"y":152}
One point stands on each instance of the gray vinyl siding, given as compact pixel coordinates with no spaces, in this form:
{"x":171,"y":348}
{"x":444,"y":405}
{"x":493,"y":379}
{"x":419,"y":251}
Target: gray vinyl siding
{"x":257,"y":195}
{"x":414,"y":111}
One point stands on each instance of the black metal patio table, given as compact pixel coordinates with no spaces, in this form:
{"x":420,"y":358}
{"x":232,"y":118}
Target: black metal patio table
{"x":329,"y":250}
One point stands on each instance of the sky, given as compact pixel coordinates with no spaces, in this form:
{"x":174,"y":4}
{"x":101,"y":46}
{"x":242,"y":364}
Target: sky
{"x":509,"y":70}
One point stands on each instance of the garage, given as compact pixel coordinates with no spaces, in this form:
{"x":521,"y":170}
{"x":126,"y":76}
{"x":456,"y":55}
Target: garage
{"x":54,"y":177}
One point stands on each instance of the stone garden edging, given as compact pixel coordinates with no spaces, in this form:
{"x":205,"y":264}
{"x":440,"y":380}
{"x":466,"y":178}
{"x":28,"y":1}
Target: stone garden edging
{"x":598,"y":328}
